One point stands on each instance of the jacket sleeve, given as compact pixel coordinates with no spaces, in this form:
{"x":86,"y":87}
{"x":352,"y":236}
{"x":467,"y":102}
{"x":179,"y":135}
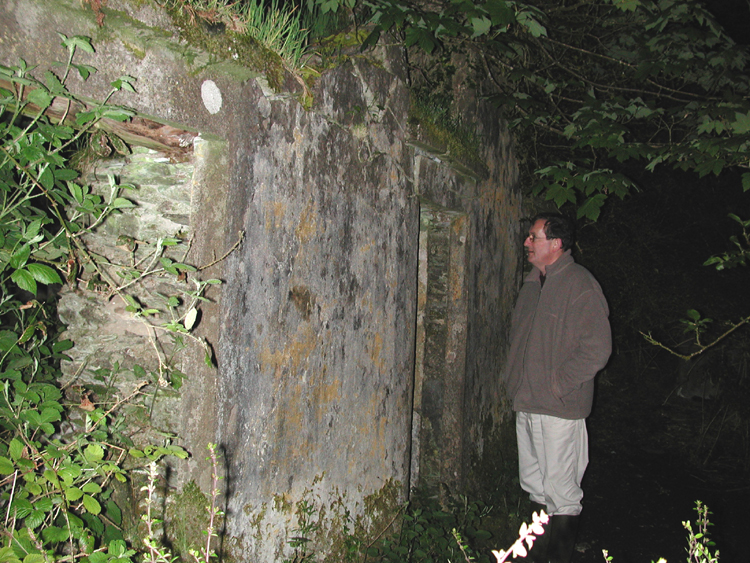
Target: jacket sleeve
{"x":590,"y":342}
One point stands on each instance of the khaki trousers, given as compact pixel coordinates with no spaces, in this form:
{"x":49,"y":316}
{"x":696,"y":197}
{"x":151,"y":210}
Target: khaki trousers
{"x":552,"y":457}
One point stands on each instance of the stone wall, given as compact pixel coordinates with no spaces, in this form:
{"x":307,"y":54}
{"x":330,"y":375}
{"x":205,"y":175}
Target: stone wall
{"x":361,"y":322}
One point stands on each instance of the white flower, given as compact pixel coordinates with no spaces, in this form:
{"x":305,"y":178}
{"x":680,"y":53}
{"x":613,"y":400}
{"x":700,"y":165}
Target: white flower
{"x":500,"y":555}
{"x":518,"y":549}
{"x":527,"y":532}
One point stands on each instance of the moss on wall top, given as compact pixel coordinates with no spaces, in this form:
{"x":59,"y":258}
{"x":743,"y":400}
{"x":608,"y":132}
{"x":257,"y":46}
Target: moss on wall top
{"x":226,"y":44}
{"x":432,"y":131}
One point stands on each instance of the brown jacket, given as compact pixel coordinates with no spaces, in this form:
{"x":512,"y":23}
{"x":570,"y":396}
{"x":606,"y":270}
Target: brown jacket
{"x":560,"y":339}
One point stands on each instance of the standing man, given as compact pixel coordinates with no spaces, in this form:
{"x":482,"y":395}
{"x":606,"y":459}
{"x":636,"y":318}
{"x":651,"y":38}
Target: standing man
{"x":560,"y":339}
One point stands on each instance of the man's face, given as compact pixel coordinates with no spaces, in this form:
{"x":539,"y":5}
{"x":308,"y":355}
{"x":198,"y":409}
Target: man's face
{"x":542,"y":251}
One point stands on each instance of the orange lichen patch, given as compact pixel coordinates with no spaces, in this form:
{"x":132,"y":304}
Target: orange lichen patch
{"x":292,"y":384}
{"x":373,"y":425}
{"x":275,"y":212}
{"x":294,"y":354}
{"x":298,"y":136}
{"x":325,"y":394}
{"x":308,"y":224}
{"x":376,"y":350}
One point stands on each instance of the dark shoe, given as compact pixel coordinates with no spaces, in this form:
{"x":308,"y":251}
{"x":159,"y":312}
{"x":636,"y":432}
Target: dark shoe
{"x":538,"y":551}
{"x":562,"y":531}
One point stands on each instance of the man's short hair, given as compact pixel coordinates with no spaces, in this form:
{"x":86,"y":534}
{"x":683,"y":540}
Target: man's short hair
{"x":557,"y":225}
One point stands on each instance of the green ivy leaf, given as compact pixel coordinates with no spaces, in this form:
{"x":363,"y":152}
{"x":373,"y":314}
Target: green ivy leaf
{"x":40,"y":97}
{"x":591,"y":208}
{"x":532,"y":25}
{"x":481,"y":26}
{"x":73,"y":494}
{"x":20,"y":257}
{"x":92,"y":488}
{"x":122,"y":203}
{"x":24,"y":280}
{"x":500,"y":12}
{"x":44,"y":274}
{"x":560,"y":194}
{"x":77,"y":42}
{"x":93,"y":453}
{"x":55,"y":534}
{"x":91,"y":504}
{"x":15,"y":449}
{"x":6,"y":466}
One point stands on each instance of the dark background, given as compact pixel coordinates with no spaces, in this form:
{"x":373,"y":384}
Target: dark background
{"x":654,"y":453}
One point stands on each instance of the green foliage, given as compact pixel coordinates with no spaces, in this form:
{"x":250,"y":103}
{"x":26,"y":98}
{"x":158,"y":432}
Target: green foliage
{"x":276,"y":27}
{"x":659,"y":83}
{"x":427,"y":532}
{"x":699,"y":544}
{"x":427,"y":26}
{"x":307,"y":526}
{"x":739,"y":254}
{"x":54,"y":490}
{"x":58,"y":462}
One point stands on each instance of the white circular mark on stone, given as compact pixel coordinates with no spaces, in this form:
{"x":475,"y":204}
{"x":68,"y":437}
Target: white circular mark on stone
{"x":211,"y":96}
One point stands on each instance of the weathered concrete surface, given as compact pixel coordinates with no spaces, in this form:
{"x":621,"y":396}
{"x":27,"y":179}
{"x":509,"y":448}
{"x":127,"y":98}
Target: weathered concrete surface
{"x":315,"y":329}
{"x":319,"y":304}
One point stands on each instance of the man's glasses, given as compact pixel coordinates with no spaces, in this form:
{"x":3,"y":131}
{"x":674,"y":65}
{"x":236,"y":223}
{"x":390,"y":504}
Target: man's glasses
{"x":537,"y":239}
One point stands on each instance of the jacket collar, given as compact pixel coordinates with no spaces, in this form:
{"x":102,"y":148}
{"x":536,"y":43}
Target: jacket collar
{"x":553,"y":269}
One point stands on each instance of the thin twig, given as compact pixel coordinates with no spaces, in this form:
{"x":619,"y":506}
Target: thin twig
{"x":241,"y":237}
